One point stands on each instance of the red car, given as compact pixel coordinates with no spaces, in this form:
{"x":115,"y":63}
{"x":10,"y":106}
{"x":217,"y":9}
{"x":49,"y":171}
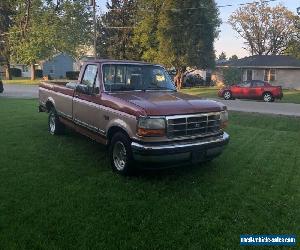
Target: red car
{"x":254,"y":89}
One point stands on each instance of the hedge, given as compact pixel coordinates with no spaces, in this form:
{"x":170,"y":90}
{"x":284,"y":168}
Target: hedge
{"x":15,"y":72}
{"x":72,"y":75}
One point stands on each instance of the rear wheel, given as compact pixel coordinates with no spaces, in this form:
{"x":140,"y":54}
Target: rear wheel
{"x":120,"y":154}
{"x":268,"y":97}
{"x":55,"y":126}
{"x":227,"y":95}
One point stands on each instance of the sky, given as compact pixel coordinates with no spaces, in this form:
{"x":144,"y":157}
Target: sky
{"x":228,"y":40}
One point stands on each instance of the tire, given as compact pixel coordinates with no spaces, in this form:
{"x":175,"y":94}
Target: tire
{"x":120,"y":154}
{"x":1,"y":87}
{"x":55,"y":127}
{"x":268,"y":97}
{"x":227,"y":95}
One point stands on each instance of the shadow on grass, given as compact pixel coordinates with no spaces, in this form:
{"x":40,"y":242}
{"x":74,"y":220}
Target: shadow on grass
{"x":142,"y":170}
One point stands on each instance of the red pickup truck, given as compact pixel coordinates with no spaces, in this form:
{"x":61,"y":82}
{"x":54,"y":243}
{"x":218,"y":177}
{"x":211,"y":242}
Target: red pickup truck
{"x":135,"y":109}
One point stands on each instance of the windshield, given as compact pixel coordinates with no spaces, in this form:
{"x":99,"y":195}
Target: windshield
{"x":126,"y":77}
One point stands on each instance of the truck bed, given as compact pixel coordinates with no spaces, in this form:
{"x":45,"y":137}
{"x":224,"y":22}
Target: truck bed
{"x":60,"y":93}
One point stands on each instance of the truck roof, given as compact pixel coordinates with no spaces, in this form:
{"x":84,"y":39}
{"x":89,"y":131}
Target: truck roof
{"x":117,"y":61}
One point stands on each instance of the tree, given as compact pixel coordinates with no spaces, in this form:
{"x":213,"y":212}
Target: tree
{"x":115,"y":27}
{"x":233,"y":58}
{"x":6,"y":13}
{"x":178,"y":33}
{"x":186,"y":33}
{"x":232,"y":75}
{"x":41,"y":29}
{"x":266,"y":30}
{"x":293,"y":48}
{"x":222,"y":56}
{"x":146,"y":31}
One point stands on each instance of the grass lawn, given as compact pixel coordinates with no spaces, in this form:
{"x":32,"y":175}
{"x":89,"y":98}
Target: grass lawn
{"x":22,"y":80}
{"x":289,"y":96}
{"x":58,"y":192}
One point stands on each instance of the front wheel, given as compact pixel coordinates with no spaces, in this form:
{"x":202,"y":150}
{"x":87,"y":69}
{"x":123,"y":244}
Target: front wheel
{"x":268,"y":97}
{"x":120,"y":154}
{"x":227,"y":95}
{"x":55,"y":126}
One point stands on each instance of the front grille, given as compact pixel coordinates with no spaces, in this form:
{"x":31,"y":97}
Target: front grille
{"x":193,"y":125}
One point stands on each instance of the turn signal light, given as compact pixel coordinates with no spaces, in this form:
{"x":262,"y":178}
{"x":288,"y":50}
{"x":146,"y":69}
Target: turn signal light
{"x":151,"y":132}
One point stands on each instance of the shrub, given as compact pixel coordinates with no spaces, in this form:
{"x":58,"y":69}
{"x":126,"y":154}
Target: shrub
{"x":232,"y":76}
{"x":15,"y":72}
{"x":38,"y":73}
{"x":72,"y":75}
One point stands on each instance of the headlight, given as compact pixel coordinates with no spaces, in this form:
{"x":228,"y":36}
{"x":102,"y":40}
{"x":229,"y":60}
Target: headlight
{"x":224,"y":119}
{"x":151,"y":126}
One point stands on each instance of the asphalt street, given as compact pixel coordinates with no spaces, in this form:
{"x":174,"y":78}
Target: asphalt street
{"x":289,"y":109}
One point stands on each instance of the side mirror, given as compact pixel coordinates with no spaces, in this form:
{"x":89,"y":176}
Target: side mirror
{"x":84,"y":89}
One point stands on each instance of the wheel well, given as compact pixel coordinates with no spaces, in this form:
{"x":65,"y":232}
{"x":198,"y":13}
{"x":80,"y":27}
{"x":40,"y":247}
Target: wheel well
{"x":113,"y":130}
{"x":49,"y":105}
{"x":267,"y":92}
{"x":227,"y":90}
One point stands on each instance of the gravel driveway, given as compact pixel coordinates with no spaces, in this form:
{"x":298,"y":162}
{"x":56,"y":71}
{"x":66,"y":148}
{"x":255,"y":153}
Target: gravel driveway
{"x":31,"y":91}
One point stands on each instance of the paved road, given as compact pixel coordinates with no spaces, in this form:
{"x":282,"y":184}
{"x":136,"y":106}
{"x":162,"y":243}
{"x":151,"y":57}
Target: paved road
{"x":20,"y":91}
{"x":288,"y":109}
{"x":31,"y":91}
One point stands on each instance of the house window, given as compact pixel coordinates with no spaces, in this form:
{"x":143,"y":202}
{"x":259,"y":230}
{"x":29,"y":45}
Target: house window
{"x":52,"y":69}
{"x":249,"y":75}
{"x":270,"y":75}
{"x":24,"y":68}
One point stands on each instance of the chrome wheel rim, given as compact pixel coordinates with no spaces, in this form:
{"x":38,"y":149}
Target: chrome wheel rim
{"x":227,"y":95}
{"x":267,"y":97}
{"x":119,"y":156}
{"x":52,"y":123}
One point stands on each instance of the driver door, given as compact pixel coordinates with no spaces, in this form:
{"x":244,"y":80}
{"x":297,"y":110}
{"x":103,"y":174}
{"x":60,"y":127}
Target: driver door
{"x":86,"y":111}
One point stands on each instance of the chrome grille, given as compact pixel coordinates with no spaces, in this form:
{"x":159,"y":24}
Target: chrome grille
{"x":193,"y":125}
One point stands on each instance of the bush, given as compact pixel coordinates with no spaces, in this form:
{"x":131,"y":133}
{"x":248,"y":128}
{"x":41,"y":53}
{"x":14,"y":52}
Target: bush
{"x":72,"y":75}
{"x":38,"y":73}
{"x":232,"y":76}
{"x":15,"y":72}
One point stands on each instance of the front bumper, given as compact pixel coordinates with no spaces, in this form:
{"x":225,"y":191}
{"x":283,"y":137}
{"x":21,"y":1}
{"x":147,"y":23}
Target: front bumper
{"x":196,"y":150}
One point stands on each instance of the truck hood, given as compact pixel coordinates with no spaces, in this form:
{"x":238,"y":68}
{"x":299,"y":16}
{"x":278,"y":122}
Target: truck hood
{"x":169,"y":103}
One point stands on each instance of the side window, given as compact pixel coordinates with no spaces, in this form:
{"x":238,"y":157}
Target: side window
{"x":245,"y":84}
{"x":90,"y":75}
{"x":109,"y":72}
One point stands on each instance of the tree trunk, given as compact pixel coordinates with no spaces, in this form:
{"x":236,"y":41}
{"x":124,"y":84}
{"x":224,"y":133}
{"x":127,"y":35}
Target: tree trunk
{"x":32,"y":67}
{"x":179,"y":78}
{"x":7,"y":72}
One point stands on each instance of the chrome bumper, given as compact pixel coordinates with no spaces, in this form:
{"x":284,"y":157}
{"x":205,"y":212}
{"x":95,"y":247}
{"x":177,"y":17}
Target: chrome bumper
{"x":193,"y":150}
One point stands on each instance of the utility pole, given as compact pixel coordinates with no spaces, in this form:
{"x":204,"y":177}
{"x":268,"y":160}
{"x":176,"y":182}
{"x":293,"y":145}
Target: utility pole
{"x":93,"y":3}
{"x":95,"y":28}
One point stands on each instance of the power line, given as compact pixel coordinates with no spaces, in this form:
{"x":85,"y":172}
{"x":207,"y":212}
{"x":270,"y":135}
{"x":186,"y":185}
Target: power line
{"x":194,"y":8}
{"x":203,"y":7}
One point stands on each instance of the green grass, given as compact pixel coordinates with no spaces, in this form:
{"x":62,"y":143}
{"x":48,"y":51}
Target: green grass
{"x":289,"y":96}
{"x":27,"y":81}
{"x":58,"y":192}
{"x":22,"y":80}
